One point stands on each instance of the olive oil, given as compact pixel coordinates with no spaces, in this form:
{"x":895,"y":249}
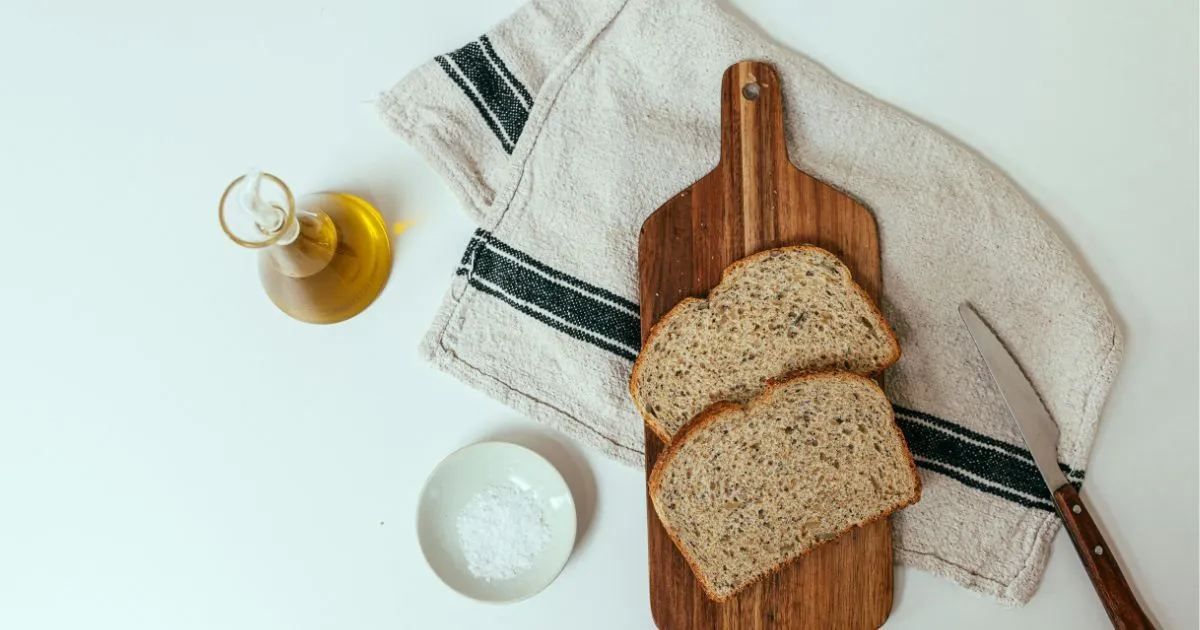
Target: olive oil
{"x":321,"y":260}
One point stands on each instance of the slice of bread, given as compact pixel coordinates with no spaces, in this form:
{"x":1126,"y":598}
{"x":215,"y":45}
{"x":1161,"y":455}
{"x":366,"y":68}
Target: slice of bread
{"x":745,"y":488}
{"x":775,"y":313}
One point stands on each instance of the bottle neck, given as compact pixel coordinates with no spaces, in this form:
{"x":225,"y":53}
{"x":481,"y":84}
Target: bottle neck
{"x":258,"y":211}
{"x":271,"y":220}
{"x":307,"y":245}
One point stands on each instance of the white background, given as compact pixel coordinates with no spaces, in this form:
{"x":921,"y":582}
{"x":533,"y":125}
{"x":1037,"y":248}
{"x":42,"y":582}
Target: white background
{"x":175,"y":453}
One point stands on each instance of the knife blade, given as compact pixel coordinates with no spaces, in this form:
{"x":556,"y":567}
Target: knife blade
{"x":1041,"y":436}
{"x":1024,"y":404}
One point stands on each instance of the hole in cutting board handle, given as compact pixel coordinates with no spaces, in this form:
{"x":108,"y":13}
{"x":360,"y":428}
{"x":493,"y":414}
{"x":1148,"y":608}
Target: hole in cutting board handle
{"x":750,"y":91}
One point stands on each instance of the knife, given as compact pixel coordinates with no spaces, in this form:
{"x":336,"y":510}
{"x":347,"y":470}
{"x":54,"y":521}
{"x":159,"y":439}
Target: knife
{"x":1041,"y":435}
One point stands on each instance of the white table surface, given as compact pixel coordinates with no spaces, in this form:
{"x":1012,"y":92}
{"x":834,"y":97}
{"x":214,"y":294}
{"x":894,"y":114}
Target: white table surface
{"x":175,"y":453}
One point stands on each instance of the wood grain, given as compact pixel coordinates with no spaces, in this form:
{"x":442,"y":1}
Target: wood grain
{"x":755,"y":199}
{"x":1100,"y":562}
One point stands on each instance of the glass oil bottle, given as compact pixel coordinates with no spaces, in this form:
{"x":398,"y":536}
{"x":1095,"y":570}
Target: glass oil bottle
{"x":322,"y":260}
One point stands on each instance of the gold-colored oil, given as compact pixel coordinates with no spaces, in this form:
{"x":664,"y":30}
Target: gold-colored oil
{"x":337,"y":265}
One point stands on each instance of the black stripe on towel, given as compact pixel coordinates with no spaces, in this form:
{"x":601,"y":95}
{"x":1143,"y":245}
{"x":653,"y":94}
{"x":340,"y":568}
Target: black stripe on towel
{"x":552,"y":294}
{"x":573,"y":307}
{"x":982,"y":468}
{"x":498,"y":96}
{"x":479,"y":106}
{"x":551,"y":322}
{"x":967,"y":434}
{"x":956,"y":452}
{"x":487,"y":47}
{"x":582,"y":286}
{"x":971,"y":483}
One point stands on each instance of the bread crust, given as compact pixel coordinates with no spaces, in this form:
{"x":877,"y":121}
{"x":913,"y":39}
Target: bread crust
{"x":713,"y":413}
{"x":652,"y":423}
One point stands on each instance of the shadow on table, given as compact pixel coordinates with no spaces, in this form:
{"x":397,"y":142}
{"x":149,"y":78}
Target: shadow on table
{"x":569,"y":461}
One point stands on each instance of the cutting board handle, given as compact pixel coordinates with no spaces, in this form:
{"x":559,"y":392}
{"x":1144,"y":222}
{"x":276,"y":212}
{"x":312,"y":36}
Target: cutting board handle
{"x":752,"y":117}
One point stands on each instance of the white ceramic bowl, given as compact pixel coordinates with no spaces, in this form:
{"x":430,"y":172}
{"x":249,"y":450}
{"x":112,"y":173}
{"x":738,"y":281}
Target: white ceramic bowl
{"x":470,"y":470}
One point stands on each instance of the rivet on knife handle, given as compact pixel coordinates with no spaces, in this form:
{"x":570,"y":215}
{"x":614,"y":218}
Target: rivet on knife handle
{"x":1101,"y":566}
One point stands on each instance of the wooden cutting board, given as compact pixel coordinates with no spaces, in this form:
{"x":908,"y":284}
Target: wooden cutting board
{"x":754,"y":200}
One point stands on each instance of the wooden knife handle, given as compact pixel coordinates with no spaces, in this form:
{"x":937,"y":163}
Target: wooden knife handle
{"x":1118,"y":599}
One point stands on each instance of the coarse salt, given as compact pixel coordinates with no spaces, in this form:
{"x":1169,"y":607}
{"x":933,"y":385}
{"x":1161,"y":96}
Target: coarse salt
{"x":501,"y":531}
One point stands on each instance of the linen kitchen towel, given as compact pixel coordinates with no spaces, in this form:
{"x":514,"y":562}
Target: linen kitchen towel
{"x":566,"y":125}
